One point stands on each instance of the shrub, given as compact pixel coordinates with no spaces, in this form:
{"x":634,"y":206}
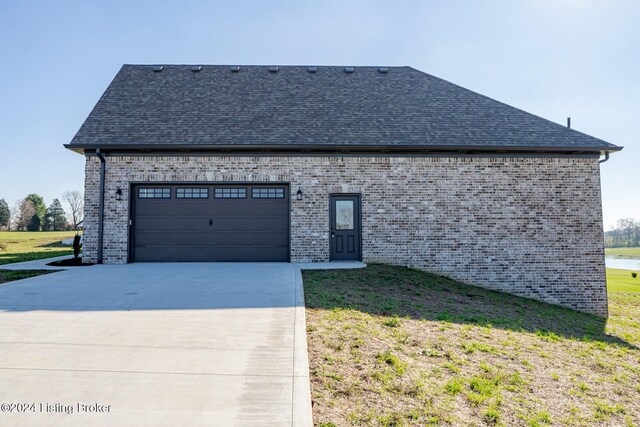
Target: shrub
{"x":634,"y":274}
{"x":76,"y":246}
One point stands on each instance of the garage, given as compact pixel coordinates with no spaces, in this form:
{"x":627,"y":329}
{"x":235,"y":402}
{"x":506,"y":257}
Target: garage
{"x":209,"y":223}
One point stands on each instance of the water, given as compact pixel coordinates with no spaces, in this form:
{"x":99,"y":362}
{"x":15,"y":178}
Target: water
{"x":623,"y":263}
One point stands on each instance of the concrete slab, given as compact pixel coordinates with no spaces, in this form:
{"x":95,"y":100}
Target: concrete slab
{"x":160,"y":344}
{"x":333,"y":265}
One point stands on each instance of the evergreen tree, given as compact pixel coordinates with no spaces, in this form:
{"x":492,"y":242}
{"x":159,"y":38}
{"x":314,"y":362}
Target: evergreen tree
{"x":5,"y":214}
{"x":34,"y":223}
{"x":41,"y":211}
{"x":56,"y":219}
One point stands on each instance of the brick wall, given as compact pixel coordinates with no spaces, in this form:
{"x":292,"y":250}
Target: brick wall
{"x":527,"y":226}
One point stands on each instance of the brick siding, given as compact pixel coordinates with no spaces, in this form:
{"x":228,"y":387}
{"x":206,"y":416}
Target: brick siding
{"x":530,"y":226}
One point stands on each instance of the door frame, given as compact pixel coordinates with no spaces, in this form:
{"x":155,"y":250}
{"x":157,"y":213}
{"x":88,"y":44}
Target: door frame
{"x":131,"y":204}
{"x":358,"y":212}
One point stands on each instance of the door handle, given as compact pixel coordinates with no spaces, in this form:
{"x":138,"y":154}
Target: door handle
{"x":333,"y":236}
{"x":210,"y":222}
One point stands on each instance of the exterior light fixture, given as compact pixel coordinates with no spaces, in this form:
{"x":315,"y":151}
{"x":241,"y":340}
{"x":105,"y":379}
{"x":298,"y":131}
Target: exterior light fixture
{"x":119,"y":194}
{"x":299,"y":194}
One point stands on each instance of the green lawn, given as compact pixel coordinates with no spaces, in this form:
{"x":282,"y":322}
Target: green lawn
{"x":622,"y":281}
{"x":18,"y":246}
{"x":623,"y":252}
{"x":9,"y":276}
{"x":393,"y":346}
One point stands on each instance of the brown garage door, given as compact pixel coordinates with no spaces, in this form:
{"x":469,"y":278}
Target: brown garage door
{"x":181,"y":222}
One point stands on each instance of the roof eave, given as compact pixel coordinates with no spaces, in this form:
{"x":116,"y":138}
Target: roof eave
{"x":334,"y":148}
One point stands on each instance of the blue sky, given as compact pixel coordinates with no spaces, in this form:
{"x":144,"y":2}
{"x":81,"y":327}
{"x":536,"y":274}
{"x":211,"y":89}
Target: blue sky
{"x":554,"y":58}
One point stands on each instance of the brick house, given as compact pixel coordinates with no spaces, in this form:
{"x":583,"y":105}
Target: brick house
{"x":388,"y":164}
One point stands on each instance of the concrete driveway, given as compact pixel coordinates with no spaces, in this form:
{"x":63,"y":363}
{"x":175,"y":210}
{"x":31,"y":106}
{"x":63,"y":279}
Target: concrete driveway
{"x":155,"y":344}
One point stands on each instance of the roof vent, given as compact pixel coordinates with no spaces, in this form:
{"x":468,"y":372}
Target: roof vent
{"x":312,"y":69}
{"x":348,"y":70}
{"x":383,"y":70}
{"x":196,"y":68}
{"x":157,"y":68}
{"x":273,"y":69}
{"x":235,"y":69}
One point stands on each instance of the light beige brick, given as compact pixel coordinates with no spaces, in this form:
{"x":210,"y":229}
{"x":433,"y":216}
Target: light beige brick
{"x":523,"y":225}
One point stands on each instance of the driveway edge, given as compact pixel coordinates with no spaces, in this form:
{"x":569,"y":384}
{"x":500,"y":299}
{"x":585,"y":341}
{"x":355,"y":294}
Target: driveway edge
{"x":301,"y":387}
{"x":38,"y":264}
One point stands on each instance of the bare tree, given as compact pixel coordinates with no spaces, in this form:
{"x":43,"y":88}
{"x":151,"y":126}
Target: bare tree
{"x":625,"y":234}
{"x":75,"y":202}
{"x":24,"y":213}
{"x":15,"y":213}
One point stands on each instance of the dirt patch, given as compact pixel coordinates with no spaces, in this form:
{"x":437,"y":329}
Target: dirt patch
{"x":391,"y":346}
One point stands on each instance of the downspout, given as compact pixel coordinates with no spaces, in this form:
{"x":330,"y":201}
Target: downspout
{"x":101,"y":208}
{"x":606,"y":157}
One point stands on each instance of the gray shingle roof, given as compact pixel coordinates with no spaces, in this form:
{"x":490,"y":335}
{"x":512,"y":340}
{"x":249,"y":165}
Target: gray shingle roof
{"x":403,"y":107}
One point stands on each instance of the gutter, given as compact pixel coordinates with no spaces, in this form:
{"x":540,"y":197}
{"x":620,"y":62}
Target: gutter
{"x":606,"y":157}
{"x":101,"y":208}
{"x":340,"y":148}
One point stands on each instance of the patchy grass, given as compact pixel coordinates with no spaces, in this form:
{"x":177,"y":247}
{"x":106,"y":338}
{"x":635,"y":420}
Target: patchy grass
{"x":392,"y":346}
{"x":9,"y":275}
{"x":622,"y":280}
{"x":18,"y":246}
{"x":623,"y":252}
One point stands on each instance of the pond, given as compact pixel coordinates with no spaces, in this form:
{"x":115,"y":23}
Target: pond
{"x":622,"y":263}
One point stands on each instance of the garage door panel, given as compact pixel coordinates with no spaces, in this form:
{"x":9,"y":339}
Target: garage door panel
{"x":204,"y":254}
{"x":251,"y":223}
{"x":167,"y":223}
{"x":172,"y":254}
{"x":200,"y":225}
{"x":211,"y":229}
{"x":170,"y":207}
{"x":162,"y":238}
{"x":242,"y":207}
{"x":152,"y":238}
{"x":250,"y":238}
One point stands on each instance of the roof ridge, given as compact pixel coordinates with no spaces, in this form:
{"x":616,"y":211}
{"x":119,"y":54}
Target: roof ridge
{"x":268,"y":65}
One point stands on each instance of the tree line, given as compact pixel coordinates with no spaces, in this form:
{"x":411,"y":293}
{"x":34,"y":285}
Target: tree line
{"x":32,"y":214}
{"x":626,"y":234}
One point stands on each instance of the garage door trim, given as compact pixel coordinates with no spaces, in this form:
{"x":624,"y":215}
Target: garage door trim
{"x":134,"y":184}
